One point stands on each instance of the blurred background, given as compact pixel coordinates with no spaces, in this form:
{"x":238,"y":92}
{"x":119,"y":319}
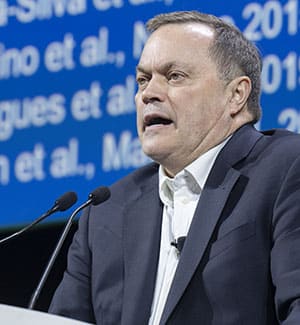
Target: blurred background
{"x":67,"y":115}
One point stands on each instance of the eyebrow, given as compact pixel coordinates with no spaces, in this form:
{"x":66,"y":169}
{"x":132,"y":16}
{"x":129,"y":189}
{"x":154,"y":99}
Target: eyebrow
{"x":139,"y":68}
{"x":165,"y":67}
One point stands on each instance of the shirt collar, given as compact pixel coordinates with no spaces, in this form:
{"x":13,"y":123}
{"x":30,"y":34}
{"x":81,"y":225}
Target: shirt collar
{"x":193,"y":176}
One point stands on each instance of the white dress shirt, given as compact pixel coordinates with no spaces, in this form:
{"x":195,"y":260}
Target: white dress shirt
{"x":180,"y":196}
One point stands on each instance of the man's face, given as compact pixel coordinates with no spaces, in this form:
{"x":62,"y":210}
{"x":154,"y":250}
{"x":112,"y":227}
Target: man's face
{"x":181,"y":101}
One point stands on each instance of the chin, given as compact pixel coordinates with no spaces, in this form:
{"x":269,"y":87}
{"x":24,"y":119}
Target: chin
{"x":153,"y":153}
{"x":156,"y":149}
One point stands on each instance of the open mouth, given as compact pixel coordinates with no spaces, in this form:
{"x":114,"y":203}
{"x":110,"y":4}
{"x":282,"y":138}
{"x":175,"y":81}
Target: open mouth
{"x":158,"y":120}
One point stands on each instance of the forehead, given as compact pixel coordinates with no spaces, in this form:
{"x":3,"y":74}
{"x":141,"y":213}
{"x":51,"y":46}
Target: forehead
{"x":177,"y":42}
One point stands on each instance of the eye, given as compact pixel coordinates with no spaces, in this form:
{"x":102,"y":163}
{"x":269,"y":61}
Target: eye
{"x":142,"y":81}
{"x":175,"y":76}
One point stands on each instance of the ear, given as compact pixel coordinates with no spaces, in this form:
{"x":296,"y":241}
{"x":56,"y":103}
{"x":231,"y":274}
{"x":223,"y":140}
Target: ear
{"x":239,"y":91}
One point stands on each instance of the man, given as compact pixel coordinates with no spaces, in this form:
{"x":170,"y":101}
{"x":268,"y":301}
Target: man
{"x":210,"y":232}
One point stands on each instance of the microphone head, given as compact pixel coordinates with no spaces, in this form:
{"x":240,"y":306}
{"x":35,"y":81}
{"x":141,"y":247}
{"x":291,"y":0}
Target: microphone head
{"x":66,"y":201}
{"x":99,"y":195}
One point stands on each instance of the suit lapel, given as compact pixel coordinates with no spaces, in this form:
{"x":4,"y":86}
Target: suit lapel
{"x":141,"y":251}
{"x":212,"y":201}
{"x":206,"y":216}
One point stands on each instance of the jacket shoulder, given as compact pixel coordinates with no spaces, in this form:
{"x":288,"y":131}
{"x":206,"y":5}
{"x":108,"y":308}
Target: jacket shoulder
{"x":283,"y":141}
{"x":146,"y":176}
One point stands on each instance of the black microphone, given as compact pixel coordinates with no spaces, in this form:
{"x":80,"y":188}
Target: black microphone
{"x":61,"y":204}
{"x":96,"y":197}
{"x":179,"y":243}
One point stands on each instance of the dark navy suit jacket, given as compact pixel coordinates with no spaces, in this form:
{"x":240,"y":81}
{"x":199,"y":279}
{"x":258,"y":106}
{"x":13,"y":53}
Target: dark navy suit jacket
{"x":240,"y":263}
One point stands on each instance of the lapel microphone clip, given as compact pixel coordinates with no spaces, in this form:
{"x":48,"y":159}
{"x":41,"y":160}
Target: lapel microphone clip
{"x":179,"y":243}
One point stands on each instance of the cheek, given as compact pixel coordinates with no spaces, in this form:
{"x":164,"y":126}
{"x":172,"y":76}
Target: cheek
{"x":195,"y":120}
{"x":139,"y":118}
{"x":191,"y":111}
{"x":139,"y":124}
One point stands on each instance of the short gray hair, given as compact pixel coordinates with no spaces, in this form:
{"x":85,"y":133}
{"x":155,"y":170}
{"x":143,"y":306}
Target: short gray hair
{"x":233,"y":53}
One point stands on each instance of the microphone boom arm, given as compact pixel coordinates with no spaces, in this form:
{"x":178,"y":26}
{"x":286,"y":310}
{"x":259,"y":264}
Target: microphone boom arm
{"x":54,"y":255}
{"x":61,"y":204}
{"x":96,"y":197}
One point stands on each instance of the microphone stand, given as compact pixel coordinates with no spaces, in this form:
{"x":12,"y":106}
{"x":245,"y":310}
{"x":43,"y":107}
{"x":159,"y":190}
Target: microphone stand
{"x":54,"y":255}
{"x":98,"y":196}
{"x":61,"y":204}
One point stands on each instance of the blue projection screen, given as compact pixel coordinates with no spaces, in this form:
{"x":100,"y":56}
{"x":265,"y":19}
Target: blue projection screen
{"x":67,"y":86}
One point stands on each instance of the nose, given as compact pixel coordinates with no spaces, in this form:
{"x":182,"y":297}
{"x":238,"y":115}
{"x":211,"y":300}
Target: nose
{"x":154,"y":91}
